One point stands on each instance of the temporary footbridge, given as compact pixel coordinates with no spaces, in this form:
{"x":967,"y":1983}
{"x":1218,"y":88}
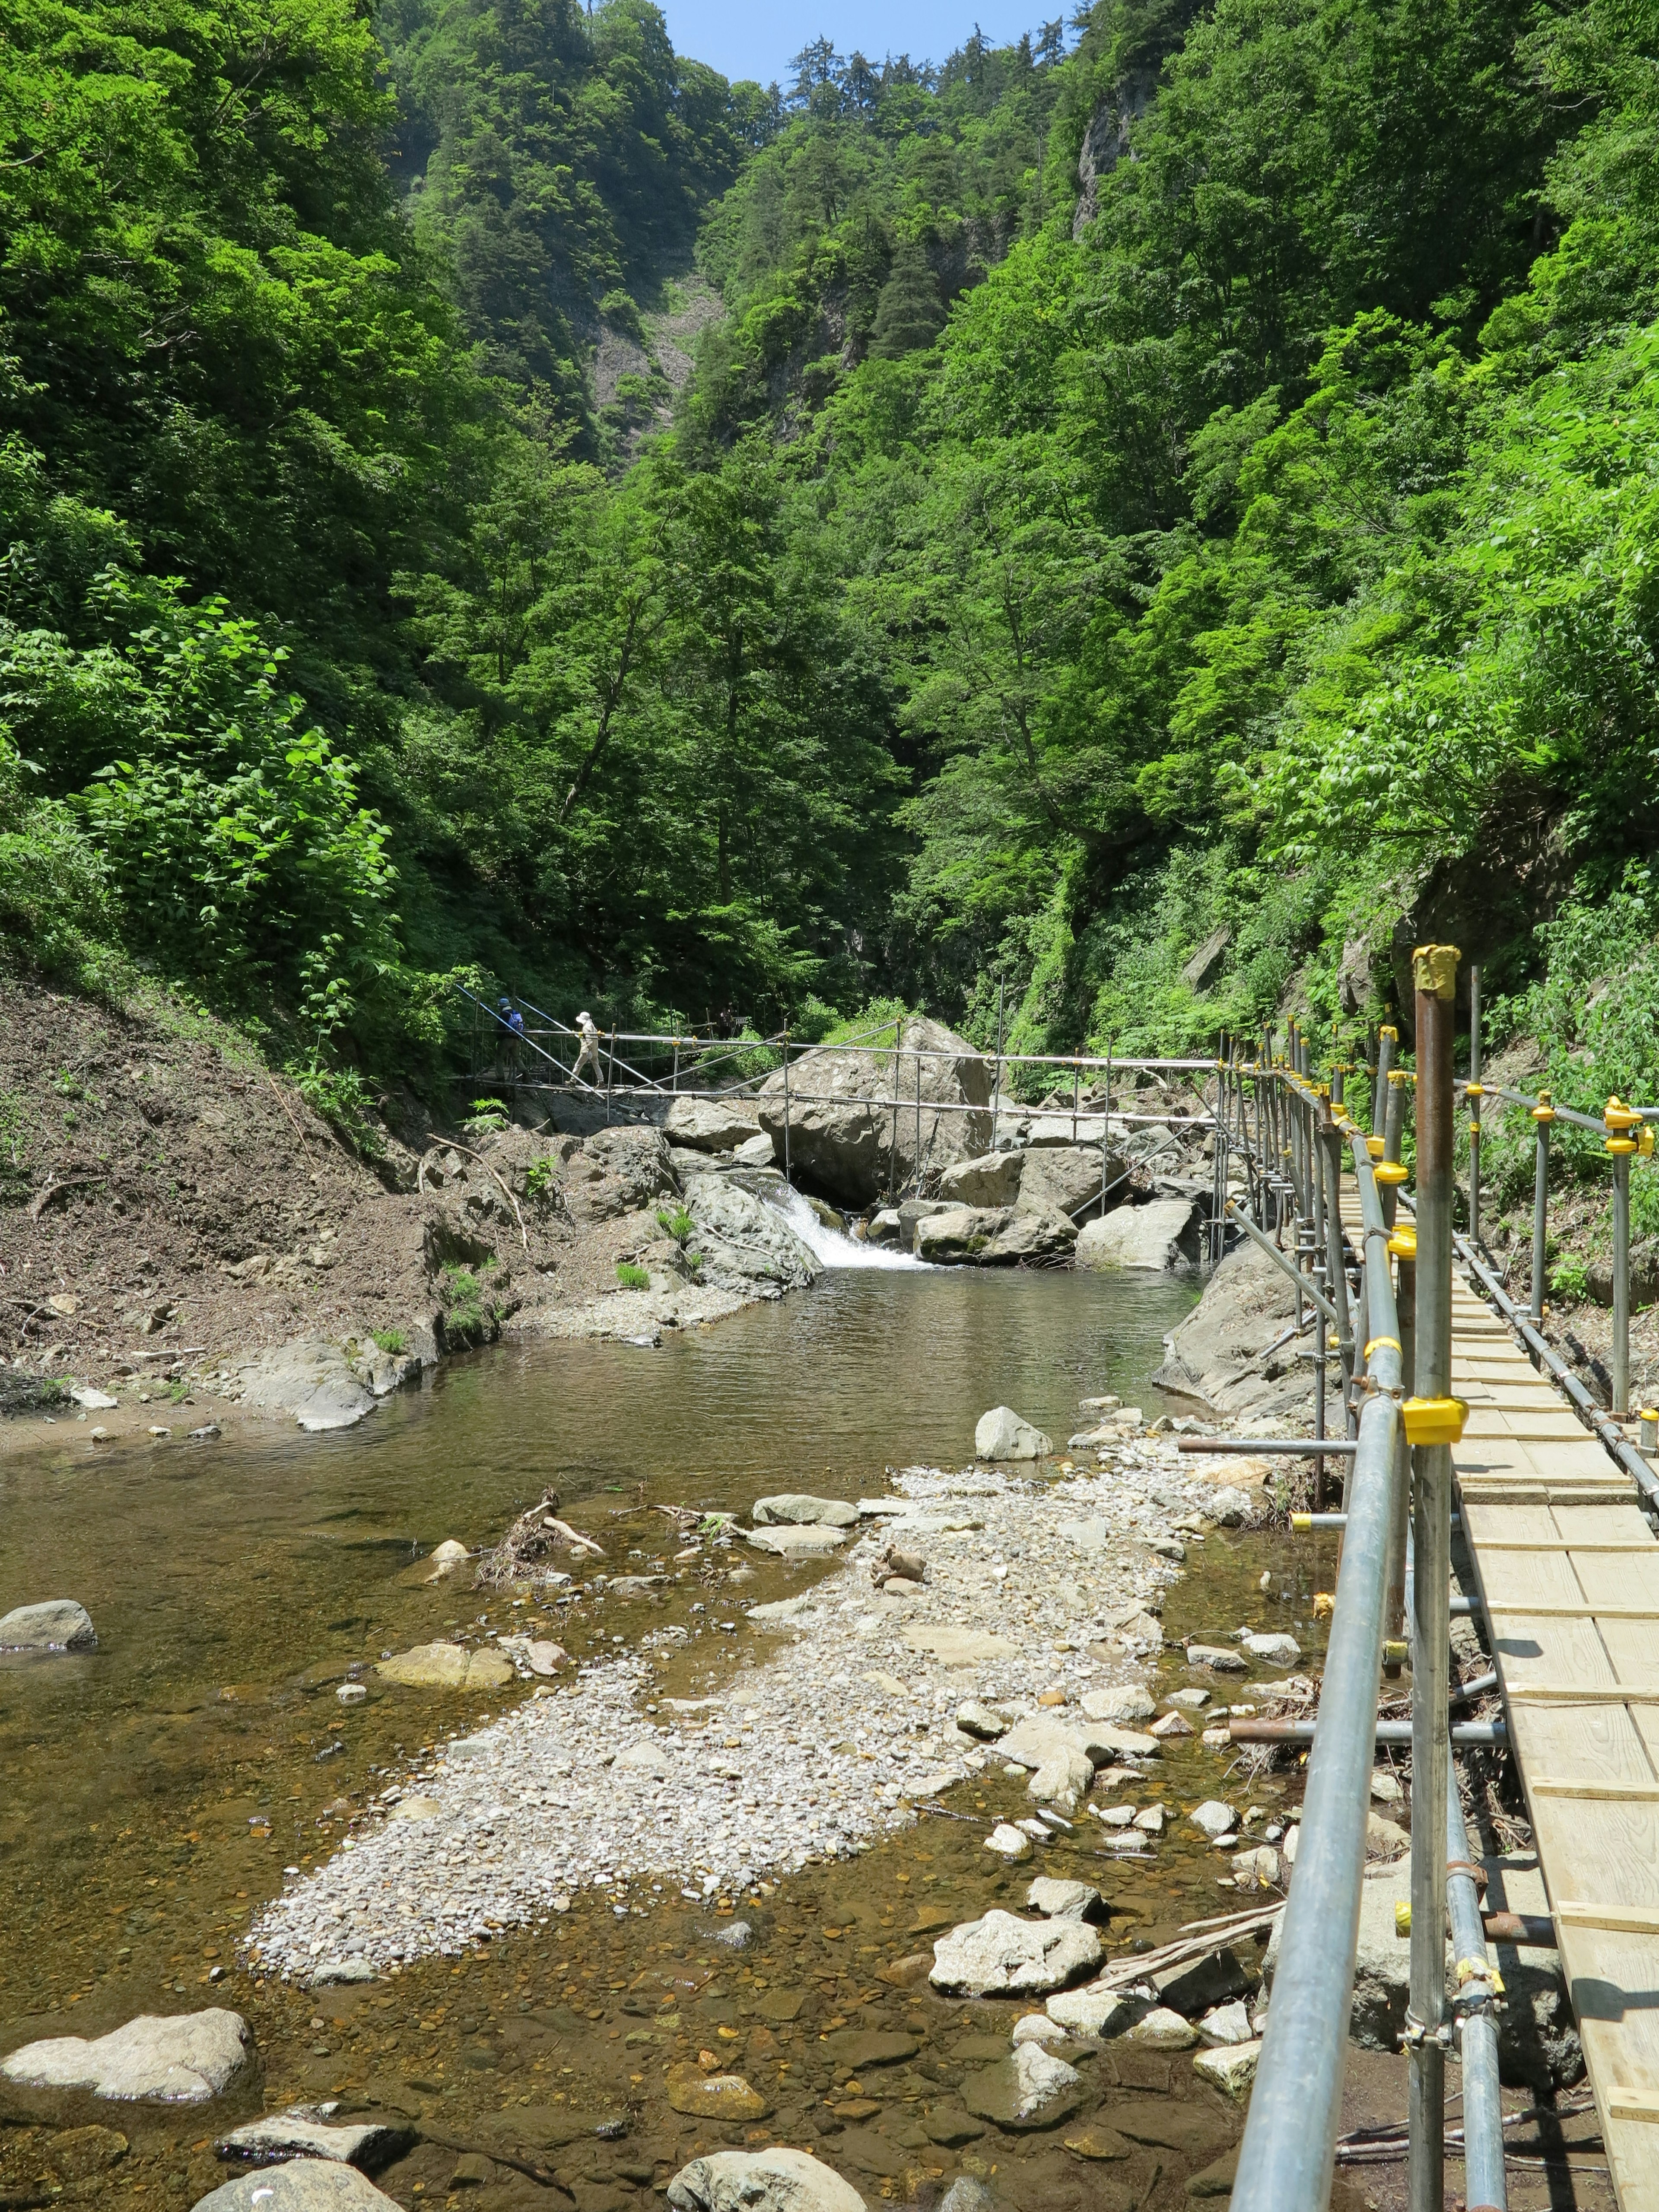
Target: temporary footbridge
{"x":1450,"y":1394}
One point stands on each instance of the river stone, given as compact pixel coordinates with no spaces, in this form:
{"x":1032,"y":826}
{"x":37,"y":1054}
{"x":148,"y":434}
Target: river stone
{"x":1009,"y":1842}
{"x":776,"y":2180}
{"x":795,"y":1543}
{"x":1278,"y":1650}
{"x":1130,"y":1701}
{"x":994,"y":1236}
{"x":1217,"y":1657}
{"x":1066,"y":1179}
{"x":1231,"y":2069}
{"x":714,"y":2096}
{"x":95,"y":1401}
{"x":1037,"y":2028}
{"x":1162,"y":2030}
{"x":1042,"y":1737}
{"x":1225,"y":2024}
{"x":1096,"y":2012}
{"x":1200,"y":1985}
{"x":1161,"y":1237}
{"x":1213,"y":1817}
{"x":1003,"y":1953}
{"x":747,"y":1246}
{"x":299,"y":2135}
{"x":416,"y":1808}
{"x":991,"y":1180}
{"x":57,"y":1623}
{"x":842,"y":1125}
{"x":781,"y":1611}
{"x":1001,"y":1434}
{"x":861,"y":2047}
{"x":449,"y":1553}
{"x":959,"y":1647}
{"x":1094,"y":1535}
{"x":978,"y":1720}
{"x":445,"y":1667}
{"x":1030,"y":2088}
{"x":1230,"y":1508}
{"x":183,"y":2058}
{"x":709,"y":1124}
{"x":800,"y":1508}
{"x":1065,"y":1900}
{"x":304,"y":2184}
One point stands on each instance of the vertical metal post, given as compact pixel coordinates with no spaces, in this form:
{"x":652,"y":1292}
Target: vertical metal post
{"x":1620,"y":1285}
{"x":918,"y":1124}
{"x":676,"y":1084}
{"x":1105,"y":1126}
{"x":1483,"y":2107}
{"x":1543,"y":1113}
{"x":1077,"y":1079}
{"x":1336,"y":1267}
{"x":1405,"y":1312}
{"x":996,"y":1094}
{"x":1316,"y":1260}
{"x":610,"y":1074}
{"x":788,"y":1177}
{"x":892,"y":1146}
{"x":1387,"y":1038}
{"x":1435,"y":967}
{"x":1475,"y":1095}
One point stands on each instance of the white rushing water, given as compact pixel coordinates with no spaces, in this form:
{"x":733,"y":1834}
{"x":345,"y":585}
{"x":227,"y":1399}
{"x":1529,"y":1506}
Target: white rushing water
{"x":827,"y":1244}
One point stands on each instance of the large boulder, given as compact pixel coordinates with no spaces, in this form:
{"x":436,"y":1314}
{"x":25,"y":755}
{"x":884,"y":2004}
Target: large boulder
{"x":776,"y":2180}
{"x":57,"y":1623}
{"x":994,"y":1236}
{"x":303,"y":2184}
{"x":992,"y":1179}
{"x":311,"y":1379}
{"x":1164,"y":1237}
{"x":1216,"y":1353}
{"x":445,"y":1667}
{"x":616,"y":1172}
{"x":1066,"y":1179}
{"x":746,"y":1245}
{"x":1003,"y":1954}
{"x":179,"y":2059}
{"x":843,"y":1132}
{"x":710,"y":1125}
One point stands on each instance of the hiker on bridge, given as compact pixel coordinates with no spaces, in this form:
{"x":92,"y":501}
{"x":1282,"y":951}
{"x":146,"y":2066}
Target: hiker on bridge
{"x":512,"y":1022}
{"x":589,"y":1054}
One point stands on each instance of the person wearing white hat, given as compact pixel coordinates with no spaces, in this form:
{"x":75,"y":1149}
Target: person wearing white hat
{"x":589,"y":1054}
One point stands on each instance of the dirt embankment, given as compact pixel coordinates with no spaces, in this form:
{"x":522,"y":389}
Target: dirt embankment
{"x":172,"y":1214}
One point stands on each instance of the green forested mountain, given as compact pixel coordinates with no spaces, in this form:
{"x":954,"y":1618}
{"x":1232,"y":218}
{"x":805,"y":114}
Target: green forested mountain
{"x":1202,"y":477}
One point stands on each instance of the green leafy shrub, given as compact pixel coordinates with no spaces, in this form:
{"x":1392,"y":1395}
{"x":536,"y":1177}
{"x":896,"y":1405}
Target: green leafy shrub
{"x":675,"y":1222}
{"x":488,"y":1115}
{"x":632,"y":1278}
{"x":391,"y":1341}
{"x":541,"y":1178}
{"x":1569,"y":1278}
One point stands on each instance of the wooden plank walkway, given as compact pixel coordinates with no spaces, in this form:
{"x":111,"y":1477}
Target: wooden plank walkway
{"x":1568,"y":1570}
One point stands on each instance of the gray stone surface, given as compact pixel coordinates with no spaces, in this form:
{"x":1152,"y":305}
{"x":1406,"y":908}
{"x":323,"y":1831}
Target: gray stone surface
{"x":747,"y":1246}
{"x":776,"y":2180}
{"x":1278,"y":1651}
{"x":711,"y":1125}
{"x":1128,"y":1702}
{"x":616,"y":1172}
{"x":798,"y":1507}
{"x":1004,"y":1434}
{"x":1066,"y":1179}
{"x":841,"y":1114}
{"x":1218,"y":1355}
{"x":304,"y":2184}
{"x":1004,"y":1954}
{"x":1030,"y":2088}
{"x":183,"y":2058}
{"x":1161,"y":1237}
{"x":790,"y":1541}
{"x":991,"y":1180}
{"x":1096,"y":2012}
{"x":301,"y":2135}
{"x":1213,"y":1817}
{"x":57,"y":1623}
{"x":311,"y":1379}
{"x":993,"y":1236}
{"x":1058,"y":1900}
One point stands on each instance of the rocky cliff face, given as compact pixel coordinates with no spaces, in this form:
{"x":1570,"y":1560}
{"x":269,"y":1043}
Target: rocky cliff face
{"x":1106,"y":141}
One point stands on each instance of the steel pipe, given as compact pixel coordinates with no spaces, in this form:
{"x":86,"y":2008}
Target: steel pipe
{"x":1620,"y":1286}
{"x":1472,"y":1093}
{"x":1289,"y":2150}
{"x":1468,"y":1736}
{"x":1294,"y":1447}
{"x":1473,"y":2007}
{"x":1435,"y":973}
{"x":1542,"y":1115}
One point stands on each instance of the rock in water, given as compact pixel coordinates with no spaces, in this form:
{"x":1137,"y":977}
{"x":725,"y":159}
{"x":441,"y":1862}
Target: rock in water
{"x":1004,"y":1953}
{"x":311,"y":1379}
{"x":978,"y":1720}
{"x":776,"y":2180}
{"x":1213,"y":1817}
{"x":1065,"y":1900}
{"x":1096,"y":2012}
{"x":304,"y":2184}
{"x":56,"y":1625}
{"x":841,"y":1111}
{"x":792,"y":1542}
{"x":1031,"y":2088}
{"x":1001,"y":1434}
{"x":299,"y":2135}
{"x":1161,"y":1237}
{"x":445,"y":1667}
{"x":714,"y":2096}
{"x":747,"y":1246}
{"x":1131,"y":1701}
{"x":1066,"y":1179}
{"x":1231,"y":2066}
{"x":991,"y":1180}
{"x":709,"y":1124}
{"x":1163,"y":2030}
{"x":993,"y":1236}
{"x":183,"y":2059}
{"x":1278,"y":1651}
{"x":799,"y":1508}
{"x":1009,"y":1842}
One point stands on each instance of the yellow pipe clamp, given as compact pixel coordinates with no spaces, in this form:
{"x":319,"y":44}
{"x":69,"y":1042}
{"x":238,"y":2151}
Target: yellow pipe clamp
{"x":1434,"y":1420}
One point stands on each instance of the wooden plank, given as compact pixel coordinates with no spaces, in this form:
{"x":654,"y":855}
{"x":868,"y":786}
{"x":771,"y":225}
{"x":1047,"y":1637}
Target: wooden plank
{"x":1553,"y":1785}
{"x":1585,"y":1694}
{"x":1620,"y":1919}
{"x":1584,"y":1611}
{"x":1574,"y":1544}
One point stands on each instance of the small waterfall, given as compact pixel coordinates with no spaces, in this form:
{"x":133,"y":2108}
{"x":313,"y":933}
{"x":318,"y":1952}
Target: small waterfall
{"x":829,"y":1245}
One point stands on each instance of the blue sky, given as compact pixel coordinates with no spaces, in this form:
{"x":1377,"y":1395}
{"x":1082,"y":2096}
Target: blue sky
{"x":746,"y":38}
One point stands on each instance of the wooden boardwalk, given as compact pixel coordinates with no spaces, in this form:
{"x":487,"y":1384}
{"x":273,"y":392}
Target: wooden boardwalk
{"x":1569,"y":1573}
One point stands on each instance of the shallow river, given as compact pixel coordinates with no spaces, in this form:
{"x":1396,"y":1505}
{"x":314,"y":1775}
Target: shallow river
{"x":155,"y":1791}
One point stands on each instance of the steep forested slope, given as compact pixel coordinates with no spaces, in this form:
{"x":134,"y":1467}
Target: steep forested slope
{"x":1203,"y":478}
